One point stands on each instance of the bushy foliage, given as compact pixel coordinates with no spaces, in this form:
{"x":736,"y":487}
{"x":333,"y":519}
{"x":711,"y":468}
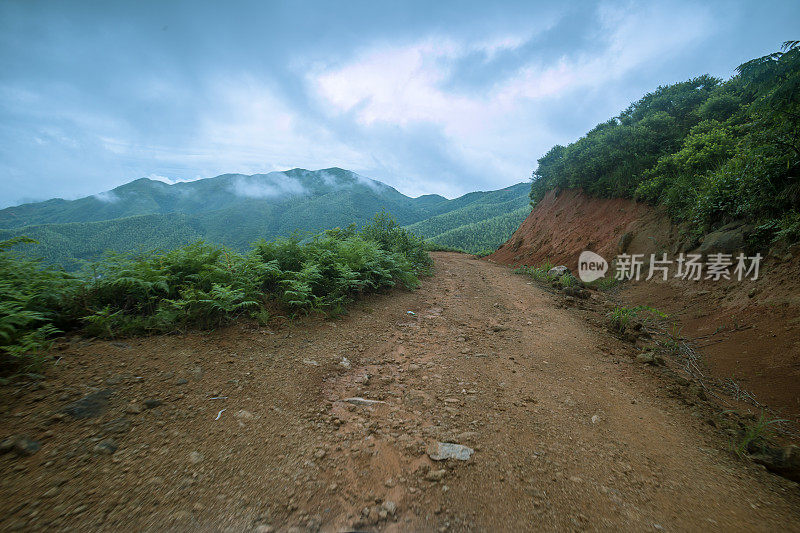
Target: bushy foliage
{"x":199,"y":285}
{"x":710,"y":151}
{"x":34,"y":303}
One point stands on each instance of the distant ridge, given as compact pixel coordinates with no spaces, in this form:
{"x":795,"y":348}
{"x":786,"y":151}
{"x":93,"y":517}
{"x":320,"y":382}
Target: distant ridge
{"x":237,"y":209}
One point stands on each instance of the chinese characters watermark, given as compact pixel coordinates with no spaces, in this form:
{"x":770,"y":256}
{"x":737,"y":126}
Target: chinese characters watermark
{"x":690,"y":267}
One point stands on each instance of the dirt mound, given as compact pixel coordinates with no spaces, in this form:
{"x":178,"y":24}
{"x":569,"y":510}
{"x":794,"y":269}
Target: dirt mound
{"x":747,"y":331}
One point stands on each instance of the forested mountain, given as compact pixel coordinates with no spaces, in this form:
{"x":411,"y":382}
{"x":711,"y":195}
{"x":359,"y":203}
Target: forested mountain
{"x":235,"y":210}
{"x":482,"y":223}
{"x":710,"y":151}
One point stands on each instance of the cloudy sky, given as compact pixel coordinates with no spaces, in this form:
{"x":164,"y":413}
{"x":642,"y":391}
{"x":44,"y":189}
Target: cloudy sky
{"x":429,"y":97}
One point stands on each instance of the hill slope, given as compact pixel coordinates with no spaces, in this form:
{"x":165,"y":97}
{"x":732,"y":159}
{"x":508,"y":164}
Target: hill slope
{"x":235,"y":210}
{"x":482,"y":220}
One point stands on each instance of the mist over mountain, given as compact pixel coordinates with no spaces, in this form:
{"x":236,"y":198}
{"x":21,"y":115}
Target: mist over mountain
{"x":237,"y":209}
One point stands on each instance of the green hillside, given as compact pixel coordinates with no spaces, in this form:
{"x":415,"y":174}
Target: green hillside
{"x":235,"y":210}
{"x":710,"y":151}
{"x":483,"y":221}
{"x":483,"y":236}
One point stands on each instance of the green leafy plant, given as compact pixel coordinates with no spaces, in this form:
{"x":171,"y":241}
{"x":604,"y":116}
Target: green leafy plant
{"x":709,"y":151}
{"x":199,"y":286}
{"x":567,"y":280}
{"x":34,"y":303}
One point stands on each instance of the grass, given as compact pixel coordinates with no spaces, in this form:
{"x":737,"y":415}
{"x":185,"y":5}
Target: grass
{"x":484,"y":253}
{"x":620,"y":317}
{"x":756,"y":434}
{"x":537,"y":273}
{"x":568,"y":280}
{"x":605,"y":284}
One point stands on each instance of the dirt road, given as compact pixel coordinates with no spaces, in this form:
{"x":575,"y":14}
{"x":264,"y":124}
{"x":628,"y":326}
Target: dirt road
{"x":246,"y":429}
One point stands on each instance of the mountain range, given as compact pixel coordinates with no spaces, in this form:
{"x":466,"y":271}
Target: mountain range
{"x":237,"y":209}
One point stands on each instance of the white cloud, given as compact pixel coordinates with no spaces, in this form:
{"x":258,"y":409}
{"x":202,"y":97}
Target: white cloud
{"x":272,"y":185}
{"x":495,"y":132}
{"x":108,"y":197}
{"x":171,"y":181}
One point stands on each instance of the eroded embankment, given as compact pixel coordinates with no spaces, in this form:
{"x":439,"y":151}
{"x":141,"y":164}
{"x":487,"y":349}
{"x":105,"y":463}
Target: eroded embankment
{"x":748,"y":332}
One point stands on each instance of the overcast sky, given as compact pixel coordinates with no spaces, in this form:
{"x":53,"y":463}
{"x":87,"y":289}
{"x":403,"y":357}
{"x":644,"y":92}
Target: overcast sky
{"x":429,"y":97}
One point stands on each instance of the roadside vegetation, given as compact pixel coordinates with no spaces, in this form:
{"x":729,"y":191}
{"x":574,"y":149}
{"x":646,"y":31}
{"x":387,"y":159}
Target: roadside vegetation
{"x":197,"y":286}
{"x":537,"y":273}
{"x":710,"y":151}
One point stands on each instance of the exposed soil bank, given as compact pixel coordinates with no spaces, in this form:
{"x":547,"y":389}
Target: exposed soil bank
{"x":748,"y":331}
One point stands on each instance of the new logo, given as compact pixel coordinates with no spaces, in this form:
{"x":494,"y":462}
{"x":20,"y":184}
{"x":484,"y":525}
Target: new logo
{"x":591,"y":266}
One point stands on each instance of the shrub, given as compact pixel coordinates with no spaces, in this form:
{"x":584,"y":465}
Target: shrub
{"x":33,"y":302}
{"x":709,"y":151}
{"x":199,"y":285}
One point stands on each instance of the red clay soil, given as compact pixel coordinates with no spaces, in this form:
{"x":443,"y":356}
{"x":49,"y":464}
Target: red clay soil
{"x":250,"y":428}
{"x":566,"y":222}
{"x":753,"y":343}
{"x":747,"y":332}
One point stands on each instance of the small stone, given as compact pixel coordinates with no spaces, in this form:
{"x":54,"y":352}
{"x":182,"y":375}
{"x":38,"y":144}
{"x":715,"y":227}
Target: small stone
{"x":151,"y":403}
{"x":244,"y":415}
{"x":783,"y":461}
{"x":133,"y":409}
{"x":264,"y":528}
{"x":362,"y":401}
{"x":467,"y":436}
{"x":310,"y":362}
{"x":320,"y":454}
{"x":6,"y":445}
{"x":57,"y":417}
{"x":116,"y":426}
{"x":89,"y":406}
{"x":441,"y":451}
{"x":344,"y":363}
{"x":195,"y":457}
{"x":196,"y":373}
{"x":181,"y":381}
{"x":24,"y":446}
{"x":646,"y":358}
{"x":390,"y":507}
{"x":435,"y":475}
{"x":105,"y":447}
{"x":52,"y":491}
{"x":595,"y":419}
{"x":558,"y":271}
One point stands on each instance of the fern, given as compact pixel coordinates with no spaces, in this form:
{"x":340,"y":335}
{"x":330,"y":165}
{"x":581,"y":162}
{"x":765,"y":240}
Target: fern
{"x":200,"y":285}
